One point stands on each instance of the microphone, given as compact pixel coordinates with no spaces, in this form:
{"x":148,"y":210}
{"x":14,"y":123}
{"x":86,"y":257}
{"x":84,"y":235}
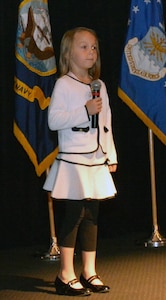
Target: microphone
{"x":95,"y":87}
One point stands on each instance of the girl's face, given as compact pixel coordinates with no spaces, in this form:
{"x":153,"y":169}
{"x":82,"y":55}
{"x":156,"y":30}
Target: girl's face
{"x":83,"y":53}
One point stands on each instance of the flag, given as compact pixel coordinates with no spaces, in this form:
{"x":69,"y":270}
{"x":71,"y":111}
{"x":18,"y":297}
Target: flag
{"x":143,"y":72}
{"x":34,"y":80}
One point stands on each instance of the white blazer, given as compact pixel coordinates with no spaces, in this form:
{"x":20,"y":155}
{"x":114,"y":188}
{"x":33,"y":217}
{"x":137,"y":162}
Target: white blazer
{"x":67,"y":114}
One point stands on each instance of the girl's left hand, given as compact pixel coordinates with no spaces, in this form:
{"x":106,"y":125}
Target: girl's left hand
{"x":112,"y":168}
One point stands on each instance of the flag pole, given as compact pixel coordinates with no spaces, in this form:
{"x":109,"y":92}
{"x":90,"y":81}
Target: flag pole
{"x":53,"y":252}
{"x":156,"y":239}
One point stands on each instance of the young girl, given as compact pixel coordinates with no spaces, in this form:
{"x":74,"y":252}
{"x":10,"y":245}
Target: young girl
{"x":80,"y":174}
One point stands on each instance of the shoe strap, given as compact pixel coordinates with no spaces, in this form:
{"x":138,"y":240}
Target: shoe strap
{"x":93,"y":277}
{"x":73,"y":281}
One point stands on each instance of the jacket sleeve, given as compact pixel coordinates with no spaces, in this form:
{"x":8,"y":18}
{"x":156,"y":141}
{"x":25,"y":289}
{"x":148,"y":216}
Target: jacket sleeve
{"x":110,"y":145}
{"x":60,"y":116}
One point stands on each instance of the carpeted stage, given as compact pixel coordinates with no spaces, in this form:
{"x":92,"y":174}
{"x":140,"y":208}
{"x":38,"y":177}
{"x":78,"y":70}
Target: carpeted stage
{"x":133,"y":271}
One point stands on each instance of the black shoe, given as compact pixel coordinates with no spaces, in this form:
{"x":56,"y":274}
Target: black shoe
{"x":94,"y":287}
{"x":67,"y":289}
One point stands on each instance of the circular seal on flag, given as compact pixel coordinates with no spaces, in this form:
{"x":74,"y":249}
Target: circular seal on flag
{"x":146,"y":58}
{"x":34,"y":46}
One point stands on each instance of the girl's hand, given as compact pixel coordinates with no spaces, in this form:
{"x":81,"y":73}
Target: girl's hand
{"x":112,"y":168}
{"x":94,"y":106}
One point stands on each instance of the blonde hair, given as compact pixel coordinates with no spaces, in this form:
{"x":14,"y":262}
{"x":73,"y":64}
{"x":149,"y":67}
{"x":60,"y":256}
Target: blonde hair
{"x":65,"y":51}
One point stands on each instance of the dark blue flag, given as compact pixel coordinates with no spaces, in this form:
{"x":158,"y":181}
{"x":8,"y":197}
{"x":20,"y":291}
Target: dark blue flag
{"x":34,"y":82}
{"x":143,"y":72}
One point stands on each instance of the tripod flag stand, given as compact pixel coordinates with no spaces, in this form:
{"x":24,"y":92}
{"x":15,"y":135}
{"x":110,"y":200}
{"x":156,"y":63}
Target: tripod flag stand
{"x":53,"y":252}
{"x":156,"y":239}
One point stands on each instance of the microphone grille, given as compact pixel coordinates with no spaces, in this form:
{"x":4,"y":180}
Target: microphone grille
{"x":95,"y":85}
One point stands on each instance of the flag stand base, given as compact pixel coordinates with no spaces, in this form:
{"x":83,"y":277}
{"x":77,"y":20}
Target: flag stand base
{"x":53,"y":253}
{"x":156,"y":240}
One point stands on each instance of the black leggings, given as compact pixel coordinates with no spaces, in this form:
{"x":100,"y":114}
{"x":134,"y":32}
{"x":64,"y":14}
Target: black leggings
{"x":79,"y":221}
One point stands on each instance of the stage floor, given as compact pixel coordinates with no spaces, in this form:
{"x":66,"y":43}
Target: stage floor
{"x":133,"y":271}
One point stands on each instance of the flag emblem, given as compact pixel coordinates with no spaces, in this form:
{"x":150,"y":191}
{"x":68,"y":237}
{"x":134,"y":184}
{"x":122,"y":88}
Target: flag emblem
{"x":147,"y":58}
{"x":34,"y":42}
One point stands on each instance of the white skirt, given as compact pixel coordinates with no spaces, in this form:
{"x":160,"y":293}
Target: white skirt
{"x":79,"y":177}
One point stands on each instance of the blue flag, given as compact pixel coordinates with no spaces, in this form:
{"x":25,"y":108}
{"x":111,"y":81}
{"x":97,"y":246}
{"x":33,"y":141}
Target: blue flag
{"x":143,"y":72}
{"x":34,"y":82}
